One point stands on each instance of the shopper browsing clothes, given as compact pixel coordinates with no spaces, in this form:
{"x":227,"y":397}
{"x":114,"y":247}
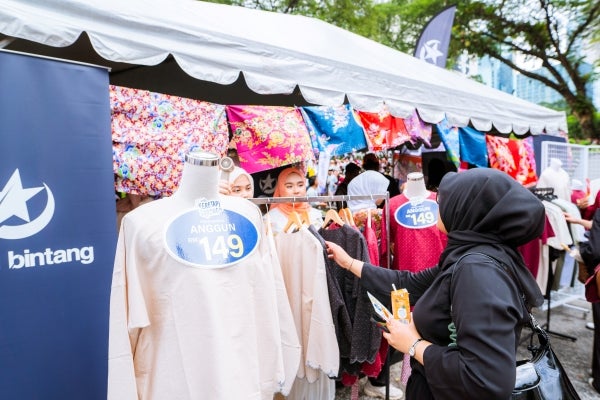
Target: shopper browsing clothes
{"x":468,"y":311}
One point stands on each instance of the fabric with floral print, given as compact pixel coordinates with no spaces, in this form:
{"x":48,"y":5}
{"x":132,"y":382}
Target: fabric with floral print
{"x":383,"y":130}
{"x":513,"y":156}
{"x":268,"y":137}
{"x":418,"y":130}
{"x":450,"y":138}
{"x":336,"y":129}
{"x":152,"y":132}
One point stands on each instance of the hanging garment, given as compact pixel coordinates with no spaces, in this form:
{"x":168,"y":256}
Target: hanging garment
{"x":417,"y":241}
{"x":383,"y":130}
{"x":186,"y":332}
{"x":513,"y":156}
{"x":306,"y":285}
{"x":267,"y":137}
{"x":151,"y":133}
{"x":335,"y":129}
{"x":366,"y":337}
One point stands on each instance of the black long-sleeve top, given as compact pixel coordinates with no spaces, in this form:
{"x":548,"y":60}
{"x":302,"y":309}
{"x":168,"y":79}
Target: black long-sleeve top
{"x":487,"y":313}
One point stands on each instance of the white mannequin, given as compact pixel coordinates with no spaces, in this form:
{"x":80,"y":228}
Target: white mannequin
{"x":415,"y":186}
{"x":554,"y":176}
{"x":199,"y":179}
{"x":555,"y":164}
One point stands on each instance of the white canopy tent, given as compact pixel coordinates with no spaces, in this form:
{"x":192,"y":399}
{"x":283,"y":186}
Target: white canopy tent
{"x":235,"y":55}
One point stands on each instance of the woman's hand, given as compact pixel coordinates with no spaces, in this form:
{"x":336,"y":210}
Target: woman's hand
{"x":224,"y":188}
{"x":343,"y":259}
{"x":401,"y":335}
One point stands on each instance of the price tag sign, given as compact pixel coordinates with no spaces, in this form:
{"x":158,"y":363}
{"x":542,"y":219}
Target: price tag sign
{"x":417,"y":214}
{"x":211,"y":238}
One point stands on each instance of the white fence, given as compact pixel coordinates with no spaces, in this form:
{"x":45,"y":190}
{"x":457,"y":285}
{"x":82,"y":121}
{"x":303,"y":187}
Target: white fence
{"x":580,"y":162}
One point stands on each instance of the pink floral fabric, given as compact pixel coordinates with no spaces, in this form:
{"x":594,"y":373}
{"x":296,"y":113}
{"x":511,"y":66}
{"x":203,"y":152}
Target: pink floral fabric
{"x":152,"y":132}
{"x":268,"y":137}
{"x":513,"y":156}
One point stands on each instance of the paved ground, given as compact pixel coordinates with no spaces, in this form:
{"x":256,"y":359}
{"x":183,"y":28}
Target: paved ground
{"x":568,"y":316}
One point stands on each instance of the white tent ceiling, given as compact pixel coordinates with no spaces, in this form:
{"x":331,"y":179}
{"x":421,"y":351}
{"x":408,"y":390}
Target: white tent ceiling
{"x":159,"y":44}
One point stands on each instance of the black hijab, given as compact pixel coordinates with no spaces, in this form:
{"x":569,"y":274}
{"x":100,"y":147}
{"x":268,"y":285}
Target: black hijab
{"x":486,"y":208}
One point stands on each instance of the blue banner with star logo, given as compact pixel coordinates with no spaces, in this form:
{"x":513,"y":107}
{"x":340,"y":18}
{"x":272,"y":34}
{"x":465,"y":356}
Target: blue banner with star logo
{"x":433,"y":43}
{"x":57,"y":228}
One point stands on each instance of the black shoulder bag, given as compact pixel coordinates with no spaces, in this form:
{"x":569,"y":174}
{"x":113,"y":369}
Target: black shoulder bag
{"x":542,"y":376}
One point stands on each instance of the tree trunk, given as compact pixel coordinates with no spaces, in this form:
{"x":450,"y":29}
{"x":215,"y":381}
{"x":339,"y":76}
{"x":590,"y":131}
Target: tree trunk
{"x":584,"y":112}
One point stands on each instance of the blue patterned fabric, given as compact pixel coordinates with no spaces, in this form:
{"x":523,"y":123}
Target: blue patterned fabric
{"x":334,"y":129}
{"x":472,"y":147}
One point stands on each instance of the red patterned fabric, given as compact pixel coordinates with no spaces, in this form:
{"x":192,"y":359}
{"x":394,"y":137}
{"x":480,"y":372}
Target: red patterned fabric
{"x":152,"y":132}
{"x":383,"y":131}
{"x":513,"y":156}
{"x":268,"y":137}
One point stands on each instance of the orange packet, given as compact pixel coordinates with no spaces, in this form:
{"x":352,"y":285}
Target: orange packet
{"x":400,"y":305}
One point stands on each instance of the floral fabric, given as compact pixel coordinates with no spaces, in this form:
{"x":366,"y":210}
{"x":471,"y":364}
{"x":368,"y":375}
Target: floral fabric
{"x":417,"y":129}
{"x":450,"y":138}
{"x":268,"y":137}
{"x":152,"y":132}
{"x":383,"y":130}
{"x":334,"y":130}
{"x":513,"y":156}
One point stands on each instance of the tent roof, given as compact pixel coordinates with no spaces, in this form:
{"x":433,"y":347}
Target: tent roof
{"x":272,"y":53}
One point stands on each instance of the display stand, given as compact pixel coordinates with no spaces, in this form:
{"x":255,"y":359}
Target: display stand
{"x":331,"y":199}
{"x":548,"y":195}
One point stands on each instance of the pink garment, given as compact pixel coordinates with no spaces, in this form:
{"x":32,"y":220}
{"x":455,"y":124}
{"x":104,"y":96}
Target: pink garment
{"x":152,"y":132}
{"x":268,"y":137}
{"x":513,"y":156}
{"x":415,"y":248}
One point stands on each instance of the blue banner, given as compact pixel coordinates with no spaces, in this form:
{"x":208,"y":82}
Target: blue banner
{"x":57,"y":228}
{"x":432,"y":46}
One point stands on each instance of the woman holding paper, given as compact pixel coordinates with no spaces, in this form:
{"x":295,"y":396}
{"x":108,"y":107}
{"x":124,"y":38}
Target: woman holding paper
{"x":468,"y":311}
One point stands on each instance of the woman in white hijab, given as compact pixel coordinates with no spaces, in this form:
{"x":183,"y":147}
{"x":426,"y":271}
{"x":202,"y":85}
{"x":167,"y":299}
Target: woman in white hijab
{"x":367,"y":183}
{"x":239,"y":183}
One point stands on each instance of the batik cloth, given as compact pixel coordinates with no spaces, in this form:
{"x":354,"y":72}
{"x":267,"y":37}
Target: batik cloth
{"x":418,"y":130}
{"x":334,"y":130}
{"x":268,"y":137}
{"x":513,"y":156}
{"x":383,"y":130}
{"x":152,"y":132}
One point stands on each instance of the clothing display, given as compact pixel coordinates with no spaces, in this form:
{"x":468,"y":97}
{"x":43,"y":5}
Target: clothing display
{"x":417,"y":241}
{"x":306,"y":284}
{"x":183,"y":327}
{"x":557,"y":178}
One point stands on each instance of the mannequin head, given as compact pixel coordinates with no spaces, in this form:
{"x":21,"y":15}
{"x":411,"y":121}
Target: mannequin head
{"x":415,"y":186}
{"x":555,"y":164}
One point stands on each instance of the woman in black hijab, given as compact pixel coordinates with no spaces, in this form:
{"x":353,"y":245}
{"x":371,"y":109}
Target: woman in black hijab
{"x":468,"y":310}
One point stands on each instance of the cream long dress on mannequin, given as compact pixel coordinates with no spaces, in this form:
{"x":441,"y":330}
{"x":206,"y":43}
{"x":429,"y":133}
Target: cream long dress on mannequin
{"x":179,"y":331}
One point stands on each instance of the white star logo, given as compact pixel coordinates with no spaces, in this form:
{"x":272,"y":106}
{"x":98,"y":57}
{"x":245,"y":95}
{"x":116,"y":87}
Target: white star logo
{"x":267,"y":184}
{"x":430,"y":51}
{"x":13,"y":202}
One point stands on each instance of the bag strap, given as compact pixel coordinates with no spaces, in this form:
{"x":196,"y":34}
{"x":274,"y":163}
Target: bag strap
{"x":535,"y":326}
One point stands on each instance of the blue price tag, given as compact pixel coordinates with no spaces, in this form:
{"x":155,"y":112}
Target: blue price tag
{"x":211,"y":240}
{"x":417,"y":215}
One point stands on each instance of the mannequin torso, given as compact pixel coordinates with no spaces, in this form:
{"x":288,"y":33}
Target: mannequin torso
{"x":415,"y":186}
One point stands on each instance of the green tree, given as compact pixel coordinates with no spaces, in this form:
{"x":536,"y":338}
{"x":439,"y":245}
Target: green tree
{"x":550,"y":34}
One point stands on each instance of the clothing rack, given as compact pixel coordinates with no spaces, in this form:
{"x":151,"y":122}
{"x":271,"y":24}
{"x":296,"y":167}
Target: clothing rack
{"x":334,"y":198}
{"x":548,"y":195}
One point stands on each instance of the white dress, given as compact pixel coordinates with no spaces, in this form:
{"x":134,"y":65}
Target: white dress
{"x":189,"y":333}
